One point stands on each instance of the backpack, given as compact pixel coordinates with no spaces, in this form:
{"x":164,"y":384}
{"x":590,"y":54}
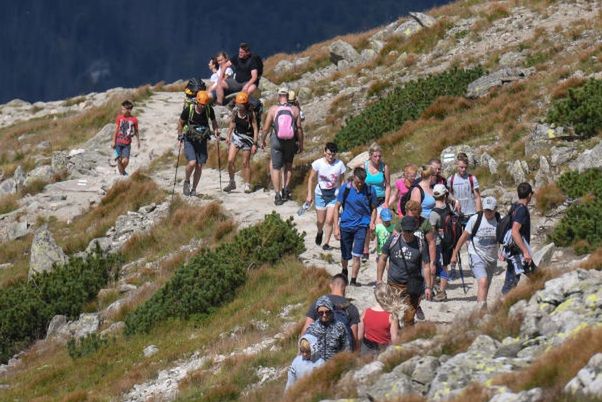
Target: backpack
{"x":285,"y":126}
{"x":348,"y":189}
{"x":451,"y":183}
{"x":341,"y":315}
{"x":415,"y":284}
{"x":452,"y":228}
{"x":406,"y":197}
{"x":193,"y":86}
{"x":505,"y":224}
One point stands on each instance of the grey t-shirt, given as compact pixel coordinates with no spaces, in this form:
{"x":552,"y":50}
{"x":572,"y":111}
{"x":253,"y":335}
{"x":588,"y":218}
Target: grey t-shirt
{"x":398,"y":270}
{"x":352,"y":311}
{"x":463,"y":192}
{"x":483,"y":244}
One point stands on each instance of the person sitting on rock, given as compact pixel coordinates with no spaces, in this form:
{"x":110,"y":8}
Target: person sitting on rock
{"x":338,"y":288}
{"x":378,"y":328}
{"x":306,"y":361}
{"x":126,"y":128}
{"x":248,"y":68}
{"x":331,"y":334}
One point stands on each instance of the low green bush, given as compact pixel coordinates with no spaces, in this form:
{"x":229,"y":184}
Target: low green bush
{"x":26,"y":308}
{"x":86,"y":345}
{"x":580,"y":109}
{"x":211,"y":278}
{"x":403,"y":104}
{"x":581,"y":226}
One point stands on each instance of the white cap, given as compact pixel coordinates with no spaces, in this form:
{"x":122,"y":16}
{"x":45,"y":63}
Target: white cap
{"x":489,"y":203}
{"x":283,"y":91}
{"x":439,"y":190}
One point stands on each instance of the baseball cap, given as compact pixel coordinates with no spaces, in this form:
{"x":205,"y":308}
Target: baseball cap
{"x":283,"y":91}
{"x":385,"y":215}
{"x":489,"y":203}
{"x":408,"y":224}
{"x":439,"y":190}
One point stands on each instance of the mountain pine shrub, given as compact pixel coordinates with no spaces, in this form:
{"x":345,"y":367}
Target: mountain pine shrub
{"x":580,"y":109}
{"x":403,"y":104}
{"x":211,"y":278}
{"x":581,"y":226}
{"x":27,"y":307}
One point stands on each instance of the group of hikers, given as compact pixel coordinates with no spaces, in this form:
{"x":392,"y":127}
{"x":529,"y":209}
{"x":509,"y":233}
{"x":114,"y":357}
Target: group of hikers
{"x":435,"y":215}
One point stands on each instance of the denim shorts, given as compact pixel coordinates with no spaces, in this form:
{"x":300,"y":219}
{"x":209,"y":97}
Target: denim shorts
{"x":481,"y":268}
{"x":441,"y":273}
{"x":352,"y":243}
{"x":325,"y":200}
{"x":122,"y":151}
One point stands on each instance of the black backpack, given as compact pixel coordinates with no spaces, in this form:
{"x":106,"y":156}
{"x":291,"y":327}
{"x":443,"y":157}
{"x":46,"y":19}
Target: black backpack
{"x":193,"y":86}
{"x":452,"y":228}
{"x":406,"y":197}
{"x":505,"y":224}
{"x":477,"y":224}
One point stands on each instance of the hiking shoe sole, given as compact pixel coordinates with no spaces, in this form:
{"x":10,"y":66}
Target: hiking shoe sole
{"x":326,"y":247}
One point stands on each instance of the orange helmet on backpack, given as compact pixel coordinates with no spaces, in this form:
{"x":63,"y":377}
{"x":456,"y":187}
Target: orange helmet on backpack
{"x":242,"y":98}
{"x":202,"y":98}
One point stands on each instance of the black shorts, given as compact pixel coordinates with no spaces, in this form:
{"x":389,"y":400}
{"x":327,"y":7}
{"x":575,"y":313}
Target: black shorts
{"x":283,"y":151}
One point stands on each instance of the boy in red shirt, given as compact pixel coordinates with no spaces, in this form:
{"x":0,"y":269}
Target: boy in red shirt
{"x":126,"y":128}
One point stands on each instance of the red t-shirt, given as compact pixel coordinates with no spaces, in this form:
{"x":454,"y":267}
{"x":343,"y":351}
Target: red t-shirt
{"x":377,"y":326}
{"x":127,"y":126}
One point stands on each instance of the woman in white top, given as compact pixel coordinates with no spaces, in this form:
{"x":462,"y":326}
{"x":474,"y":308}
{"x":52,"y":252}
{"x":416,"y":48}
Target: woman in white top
{"x":220,"y":72}
{"x":330,"y":172}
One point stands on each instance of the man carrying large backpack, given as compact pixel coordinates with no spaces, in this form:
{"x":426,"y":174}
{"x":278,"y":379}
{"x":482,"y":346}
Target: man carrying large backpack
{"x":283,"y":120}
{"x":482,"y":249}
{"x":516,"y":238}
{"x":359,"y":213}
{"x":193,"y":130}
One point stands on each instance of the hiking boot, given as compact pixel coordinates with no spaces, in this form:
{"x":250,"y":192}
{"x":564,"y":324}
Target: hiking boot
{"x":231,"y":186}
{"x":247,"y":188}
{"x":326,"y":247}
{"x":440,"y":296}
{"x":278,"y":199}
{"x":420,"y":314}
{"x":319,"y":238}
{"x":346,"y":273}
{"x":193,"y":193}
{"x":365,"y":257}
{"x":355,"y":283}
{"x":186,"y":189}
{"x":286,"y":194}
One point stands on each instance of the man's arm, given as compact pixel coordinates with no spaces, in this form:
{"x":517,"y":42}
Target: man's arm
{"x":267,"y":126}
{"x":180,"y":128}
{"x":430,"y":240}
{"x":518,"y":240}
{"x":380,"y":267}
{"x":231,"y":127}
{"x":356,"y":339}
{"x":477,"y":200}
{"x":337,"y":229}
{"x":461,"y":241}
{"x":300,"y":133}
{"x":114,"y":139}
{"x":310,"y":186}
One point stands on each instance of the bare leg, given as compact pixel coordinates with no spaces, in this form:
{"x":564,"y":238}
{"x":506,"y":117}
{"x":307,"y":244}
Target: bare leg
{"x":120,"y":166}
{"x":482,"y":289}
{"x":189,"y":168}
{"x":197,"y":175}
{"x":276,"y":180}
{"x":320,"y":218}
{"x":355,"y":261}
{"x":328,"y":224}
{"x":246,"y":166}
{"x":232,"y":151}
{"x":287,"y":173}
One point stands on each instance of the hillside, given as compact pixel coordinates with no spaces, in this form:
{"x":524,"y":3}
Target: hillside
{"x":202,"y":298}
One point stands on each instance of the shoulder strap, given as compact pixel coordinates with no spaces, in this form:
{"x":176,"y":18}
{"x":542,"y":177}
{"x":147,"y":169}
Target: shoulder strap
{"x":471,"y":180}
{"x":190,"y":113}
{"x":475,"y":228}
{"x":451,"y":183}
{"x":421,"y":193}
{"x":345,"y":194}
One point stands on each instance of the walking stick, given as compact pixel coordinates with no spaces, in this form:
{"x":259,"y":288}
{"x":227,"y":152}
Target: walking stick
{"x":461,"y":273}
{"x":176,"y":175}
{"x":219,"y":162}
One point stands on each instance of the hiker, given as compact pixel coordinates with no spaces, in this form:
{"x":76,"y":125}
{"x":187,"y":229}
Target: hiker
{"x":248,"y":69}
{"x":482,"y":248}
{"x":517,"y":249}
{"x":126,"y":127}
{"x":330,"y":173}
{"x":306,"y":361}
{"x":402,"y":186}
{"x":346,"y":312}
{"x":287,"y":139}
{"x":408,"y":269}
{"x":435,"y":165}
{"x":378,"y":328}
{"x":379,"y":178}
{"x":383,"y":230}
{"x":423,"y":191}
{"x":438,"y":219}
{"x":331,"y":334}
{"x":242,"y":135}
{"x":220,"y":73}
{"x":465,"y":188}
{"x":293,"y":100}
{"x":359,"y":215}
{"x":193,"y":130}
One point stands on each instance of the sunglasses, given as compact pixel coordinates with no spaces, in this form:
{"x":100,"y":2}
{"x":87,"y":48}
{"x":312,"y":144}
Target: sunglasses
{"x":322,"y":313}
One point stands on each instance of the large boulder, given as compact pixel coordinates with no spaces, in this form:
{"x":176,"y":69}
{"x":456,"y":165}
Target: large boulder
{"x":358,"y":160}
{"x":539,"y":140}
{"x":481,"y":86}
{"x":544,"y":174}
{"x":60,"y":160}
{"x":591,"y":158}
{"x":561,"y":154}
{"x":341,"y":50}
{"x":517,"y":171}
{"x":588,"y":380}
{"x":408,"y":28}
{"x":60,"y":329}
{"x":8,"y":186}
{"x":44,"y":173}
{"x":44,"y":252}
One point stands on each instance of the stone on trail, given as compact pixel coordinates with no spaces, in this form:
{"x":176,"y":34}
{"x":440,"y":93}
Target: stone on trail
{"x":44,"y":252}
{"x":341,"y":50}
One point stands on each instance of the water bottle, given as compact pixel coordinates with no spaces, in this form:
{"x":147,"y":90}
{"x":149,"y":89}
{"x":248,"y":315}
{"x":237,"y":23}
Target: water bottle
{"x":303,"y":208}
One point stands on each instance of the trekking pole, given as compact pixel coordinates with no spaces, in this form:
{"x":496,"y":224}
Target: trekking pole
{"x":219,"y":162}
{"x":461,"y":273}
{"x":173,"y":190}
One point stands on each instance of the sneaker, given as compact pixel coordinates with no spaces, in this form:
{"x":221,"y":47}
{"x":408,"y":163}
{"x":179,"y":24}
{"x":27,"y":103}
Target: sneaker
{"x":125,"y":173}
{"x":441,"y":296}
{"x":326,"y":247}
{"x":247,"y":188}
{"x":319,"y":238}
{"x":346,"y":273}
{"x":193,"y":193}
{"x":355,"y":283}
{"x":365,"y":257}
{"x":278,"y":199}
{"x":186,"y":188}
{"x":420,"y":314}
{"x":286,"y":194}
{"x":231,"y":186}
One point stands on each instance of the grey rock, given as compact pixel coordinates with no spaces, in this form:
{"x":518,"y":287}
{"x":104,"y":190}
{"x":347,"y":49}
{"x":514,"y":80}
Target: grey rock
{"x":60,"y":160}
{"x":424,"y":373}
{"x":488,"y":161}
{"x":517,"y":172}
{"x":508,"y":350}
{"x":423,"y":19}
{"x":343,"y":65}
{"x":538,"y":140}
{"x":283,"y":66}
{"x":510,"y":59}
{"x":341,"y":50}
{"x":45,"y":172}
{"x":408,"y":28}
{"x":561,"y":155}
{"x":366,"y":375}
{"x":19,"y":175}
{"x":377,"y":45}
{"x":481,"y":86}
{"x":544,"y":174}
{"x":44,"y":252}
{"x":484,"y":345}
{"x":543,"y":256}
{"x":18,"y":230}
{"x":389,"y":386}
{"x":449,"y":154}
{"x":588,"y":380}
{"x":368,"y":54}
{"x":532,"y":395}
{"x":8,"y":186}
{"x":114,"y":329}
{"x":56,"y":324}
{"x":591,"y":158}
{"x":43,"y":145}
{"x":150,"y":350}
{"x":6,"y":265}
{"x":87,"y":324}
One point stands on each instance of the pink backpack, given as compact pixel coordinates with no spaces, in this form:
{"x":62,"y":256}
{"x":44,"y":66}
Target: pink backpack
{"x":284,"y":123}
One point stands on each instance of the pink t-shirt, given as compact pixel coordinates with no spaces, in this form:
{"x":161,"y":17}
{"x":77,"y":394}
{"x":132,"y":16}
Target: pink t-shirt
{"x":402,"y":189}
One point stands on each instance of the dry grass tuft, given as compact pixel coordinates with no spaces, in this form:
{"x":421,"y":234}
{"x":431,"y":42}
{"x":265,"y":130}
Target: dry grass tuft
{"x":446,"y":105}
{"x":472,"y":393}
{"x":557,"y":366}
{"x":549,"y":197}
{"x":8,"y":203}
{"x":594,"y":261}
{"x":562,"y":89}
{"x":223,"y":229}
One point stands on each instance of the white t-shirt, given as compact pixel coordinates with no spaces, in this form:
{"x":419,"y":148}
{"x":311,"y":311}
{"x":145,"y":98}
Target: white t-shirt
{"x":464,"y":192}
{"x":328,"y":175}
{"x":215,"y":75}
{"x":484,"y":244}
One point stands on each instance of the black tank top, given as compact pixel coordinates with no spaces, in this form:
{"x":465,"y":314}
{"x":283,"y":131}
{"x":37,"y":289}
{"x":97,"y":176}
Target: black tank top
{"x":243,"y":125}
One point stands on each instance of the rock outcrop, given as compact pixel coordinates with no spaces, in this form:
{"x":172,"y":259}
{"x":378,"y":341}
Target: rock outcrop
{"x":45,"y":253}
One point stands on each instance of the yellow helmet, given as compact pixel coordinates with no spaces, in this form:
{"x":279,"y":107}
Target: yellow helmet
{"x":242,"y":98}
{"x":202,"y":98}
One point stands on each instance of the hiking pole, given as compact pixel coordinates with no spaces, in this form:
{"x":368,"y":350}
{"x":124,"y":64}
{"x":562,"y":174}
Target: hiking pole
{"x":173,"y":190}
{"x":461,"y":273}
{"x":219,"y":162}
